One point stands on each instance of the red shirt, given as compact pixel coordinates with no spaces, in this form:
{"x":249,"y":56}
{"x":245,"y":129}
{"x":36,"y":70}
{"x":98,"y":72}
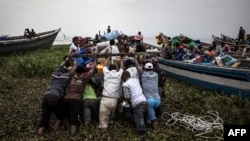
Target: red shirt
{"x":226,"y":48}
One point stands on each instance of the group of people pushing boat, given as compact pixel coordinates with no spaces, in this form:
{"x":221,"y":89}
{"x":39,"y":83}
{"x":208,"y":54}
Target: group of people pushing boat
{"x":78,"y":88}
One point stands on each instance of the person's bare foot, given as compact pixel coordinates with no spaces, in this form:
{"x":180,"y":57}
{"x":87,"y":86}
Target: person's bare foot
{"x":73,"y":130}
{"x":41,"y":131}
{"x":57,"y":125}
{"x":104,"y":130}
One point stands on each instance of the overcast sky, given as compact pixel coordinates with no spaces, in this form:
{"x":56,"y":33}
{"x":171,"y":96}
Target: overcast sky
{"x":194,"y":18}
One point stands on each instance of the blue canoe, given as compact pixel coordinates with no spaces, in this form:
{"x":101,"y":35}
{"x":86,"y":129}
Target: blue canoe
{"x":232,"y":81}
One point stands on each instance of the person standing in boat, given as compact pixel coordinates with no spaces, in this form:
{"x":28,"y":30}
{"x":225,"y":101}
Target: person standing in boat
{"x":139,"y":34}
{"x":241,"y":35}
{"x":138,"y":38}
{"x":108,"y":29}
{"x":96,"y":39}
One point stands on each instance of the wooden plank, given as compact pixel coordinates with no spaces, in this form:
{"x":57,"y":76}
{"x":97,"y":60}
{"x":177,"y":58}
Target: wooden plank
{"x":236,"y":64}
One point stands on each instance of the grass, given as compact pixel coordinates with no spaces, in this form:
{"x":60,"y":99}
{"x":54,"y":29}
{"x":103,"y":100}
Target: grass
{"x":25,"y":77}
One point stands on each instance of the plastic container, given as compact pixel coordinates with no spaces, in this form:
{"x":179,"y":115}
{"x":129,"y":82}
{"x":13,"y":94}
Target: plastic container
{"x":99,"y":68}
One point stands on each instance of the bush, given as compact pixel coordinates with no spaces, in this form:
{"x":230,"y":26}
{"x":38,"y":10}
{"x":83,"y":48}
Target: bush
{"x":39,"y":63}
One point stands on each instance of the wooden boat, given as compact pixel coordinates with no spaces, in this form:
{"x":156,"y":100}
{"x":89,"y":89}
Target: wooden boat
{"x":219,"y":40}
{"x":16,"y":44}
{"x":228,"y":39}
{"x":236,"y":49}
{"x":209,"y":79}
{"x":230,"y":80}
{"x":234,"y":81}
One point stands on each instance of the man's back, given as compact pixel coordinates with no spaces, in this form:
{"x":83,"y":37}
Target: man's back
{"x":77,"y":85}
{"x":149,"y":81}
{"x":58,"y":83}
{"x":136,"y":91}
{"x":112,"y":82}
{"x":133,"y":72}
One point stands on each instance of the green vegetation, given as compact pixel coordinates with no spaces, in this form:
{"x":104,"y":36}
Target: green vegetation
{"x":25,"y":77}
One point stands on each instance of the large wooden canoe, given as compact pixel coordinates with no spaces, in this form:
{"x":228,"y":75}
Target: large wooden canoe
{"x":16,"y":44}
{"x":229,"y":80}
{"x":219,"y":40}
{"x":234,"y":80}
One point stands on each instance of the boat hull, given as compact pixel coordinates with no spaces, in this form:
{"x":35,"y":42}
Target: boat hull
{"x":19,"y":44}
{"x":234,"y":73}
{"x":207,"y":80}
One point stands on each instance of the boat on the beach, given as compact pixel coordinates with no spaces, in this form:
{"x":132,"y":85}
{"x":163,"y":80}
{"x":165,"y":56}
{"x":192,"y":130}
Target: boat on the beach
{"x":232,"y":79}
{"x":227,"y":40}
{"x":15,"y":44}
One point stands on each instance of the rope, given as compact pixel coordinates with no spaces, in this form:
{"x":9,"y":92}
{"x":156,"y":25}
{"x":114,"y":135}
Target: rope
{"x":203,"y":125}
{"x":64,"y":36}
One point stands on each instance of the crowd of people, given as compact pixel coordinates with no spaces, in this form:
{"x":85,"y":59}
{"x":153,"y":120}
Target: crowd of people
{"x":76,"y":95}
{"x":183,"y":48}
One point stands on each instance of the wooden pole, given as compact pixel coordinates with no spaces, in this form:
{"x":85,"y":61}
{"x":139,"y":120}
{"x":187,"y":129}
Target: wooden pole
{"x":115,"y":54}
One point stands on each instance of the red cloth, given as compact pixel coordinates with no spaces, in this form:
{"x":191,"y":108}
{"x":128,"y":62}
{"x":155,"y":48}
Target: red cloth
{"x":138,"y":37}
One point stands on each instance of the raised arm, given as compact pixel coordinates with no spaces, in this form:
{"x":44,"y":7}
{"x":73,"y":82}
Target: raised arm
{"x":139,"y":69}
{"x":107,"y":59}
{"x":65,"y":59}
{"x":121,"y":61}
{"x":73,"y":69}
{"x":92,"y":70}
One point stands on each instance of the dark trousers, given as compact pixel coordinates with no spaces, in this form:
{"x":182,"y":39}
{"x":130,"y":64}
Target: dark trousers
{"x":51,"y":104}
{"x":139,"y":113}
{"x":72,"y":109}
{"x":240,"y":39}
{"x":90,"y":110}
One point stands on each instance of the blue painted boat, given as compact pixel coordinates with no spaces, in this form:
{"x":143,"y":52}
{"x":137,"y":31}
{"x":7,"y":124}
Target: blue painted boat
{"x":227,"y":72}
{"x":232,"y":81}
